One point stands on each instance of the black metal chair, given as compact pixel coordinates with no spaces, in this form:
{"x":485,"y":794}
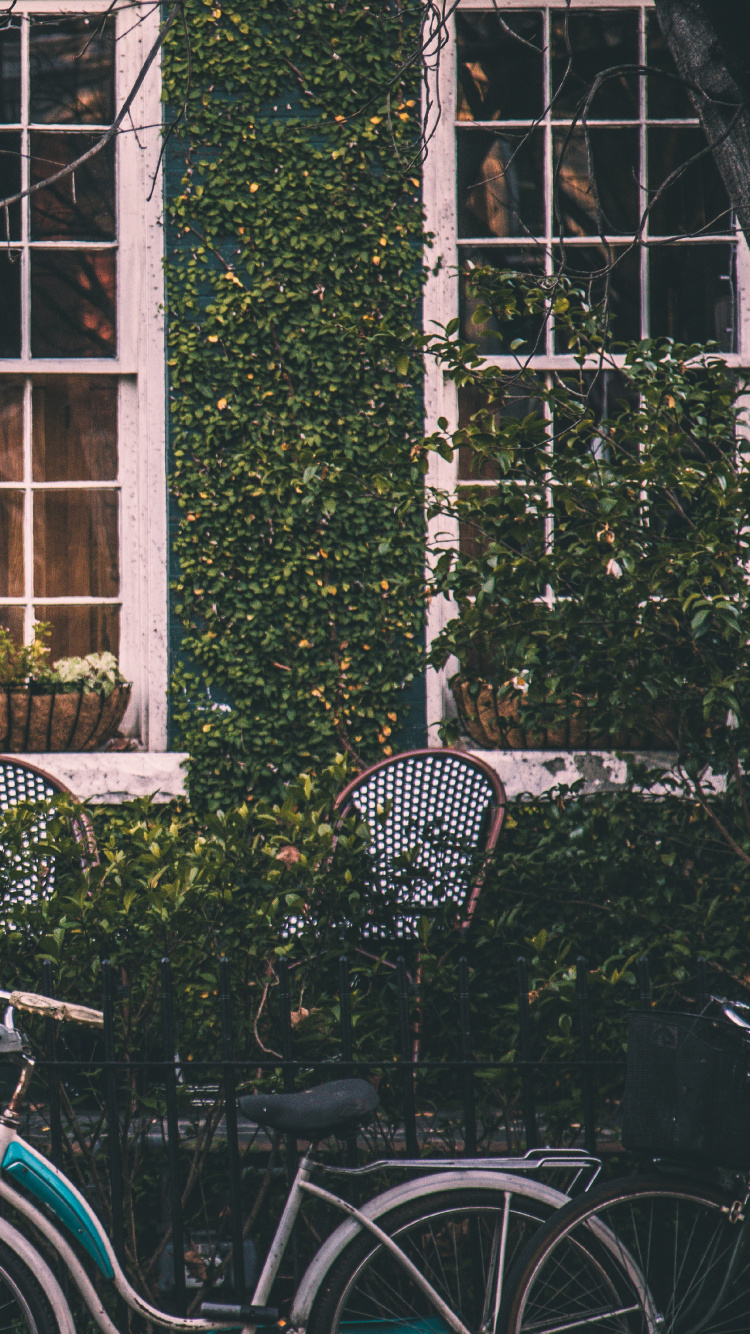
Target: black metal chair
{"x":34,"y":878}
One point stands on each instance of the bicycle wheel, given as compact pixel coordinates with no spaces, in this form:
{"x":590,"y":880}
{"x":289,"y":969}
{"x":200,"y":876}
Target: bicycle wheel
{"x":461,"y":1240}
{"x":643,"y":1255}
{"x":24,"y":1308}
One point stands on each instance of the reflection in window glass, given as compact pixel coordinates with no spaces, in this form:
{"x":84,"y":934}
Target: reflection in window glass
{"x":75,"y":544}
{"x":12,"y":619}
{"x":584,"y":44}
{"x":517,"y":406}
{"x":500,"y":66}
{"x":73,"y":303}
{"x":10,"y":184}
{"x":10,"y":303}
{"x":72,"y":73}
{"x":10,"y":72}
{"x":77,"y":631}
{"x":613,"y":206}
{"x":696,"y":201}
{"x":74,"y":428}
{"x":692,"y":293}
{"x":607,"y":274}
{"x":500,"y":183}
{"x":667,"y":98}
{"x":490,"y":337}
{"x":11,"y":430}
{"x":11,"y":544}
{"x":80,"y":207}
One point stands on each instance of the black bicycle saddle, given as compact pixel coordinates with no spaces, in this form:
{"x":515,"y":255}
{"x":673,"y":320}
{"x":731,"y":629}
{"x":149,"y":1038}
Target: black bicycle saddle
{"x":329,"y":1109}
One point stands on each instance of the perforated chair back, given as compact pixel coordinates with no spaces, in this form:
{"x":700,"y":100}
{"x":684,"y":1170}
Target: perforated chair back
{"x":32,"y":877}
{"x":434,"y":816}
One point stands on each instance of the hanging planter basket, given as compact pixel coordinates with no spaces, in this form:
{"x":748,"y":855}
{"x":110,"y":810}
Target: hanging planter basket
{"x":497,"y":724}
{"x":33,"y":720}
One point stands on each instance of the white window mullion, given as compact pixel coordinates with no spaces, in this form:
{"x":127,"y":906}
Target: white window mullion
{"x":25,"y":172}
{"x":28,"y":518}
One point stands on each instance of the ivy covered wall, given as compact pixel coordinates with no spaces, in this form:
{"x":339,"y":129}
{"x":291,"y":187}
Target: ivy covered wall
{"x":293,"y":271}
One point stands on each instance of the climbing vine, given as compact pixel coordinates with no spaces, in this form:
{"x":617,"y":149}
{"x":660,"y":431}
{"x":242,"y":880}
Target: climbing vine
{"x":293,"y":271}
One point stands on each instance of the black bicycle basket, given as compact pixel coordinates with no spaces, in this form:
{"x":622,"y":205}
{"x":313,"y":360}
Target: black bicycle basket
{"x":687,"y":1093}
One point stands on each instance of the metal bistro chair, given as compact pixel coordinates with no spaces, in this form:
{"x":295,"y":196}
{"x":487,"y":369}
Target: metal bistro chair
{"x":434,"y":818}
{"x":20,"y":781}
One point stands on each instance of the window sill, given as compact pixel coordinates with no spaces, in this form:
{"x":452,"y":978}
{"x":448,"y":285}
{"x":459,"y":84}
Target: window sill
{"x":110,"y":777}
{"x":536,"y":771}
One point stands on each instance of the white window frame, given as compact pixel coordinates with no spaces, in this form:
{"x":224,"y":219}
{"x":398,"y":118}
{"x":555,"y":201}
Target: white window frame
{"x":140,"y":367}
{"x":441,"y":297}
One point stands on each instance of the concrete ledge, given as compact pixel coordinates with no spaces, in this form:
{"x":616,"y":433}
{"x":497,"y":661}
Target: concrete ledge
{"x":536,"y":771}
{"x":107,"y":778}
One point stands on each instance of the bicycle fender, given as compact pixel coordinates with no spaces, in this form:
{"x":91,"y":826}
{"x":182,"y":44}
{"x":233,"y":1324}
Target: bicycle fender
{"x":23,"y":1248}
{"x":391,"y":1199}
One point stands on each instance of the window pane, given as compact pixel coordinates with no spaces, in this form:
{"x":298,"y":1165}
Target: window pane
{"x":73,"y":303}
{"x":598,"y":42}
{"x":519,"y":404}
{"x":11,"y":544}
{"x":72,"y":71}
{"x":500,"y":66}
{"x":10,"y":303}
{"x":500,"y":184}
{"x":77,"y":631}
{"x":614,"y":159}
{"x":80,"y":207}
{"x":10,"y":184}
{"x":12,"y":618}
{"x":11,"y":430}
{"x":75,"y":544}
{"x":696,"y":201}
{"x":693,"y":293}
{"x":10,"y":73}
{"x":667,"y":97}
{"x":74,"y":428}
{"x":490,"y":337}
{"x":605,"y":273}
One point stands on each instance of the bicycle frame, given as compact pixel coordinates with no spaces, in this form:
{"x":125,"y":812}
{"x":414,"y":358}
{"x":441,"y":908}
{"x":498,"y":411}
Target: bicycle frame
{"x":21,"y":1164}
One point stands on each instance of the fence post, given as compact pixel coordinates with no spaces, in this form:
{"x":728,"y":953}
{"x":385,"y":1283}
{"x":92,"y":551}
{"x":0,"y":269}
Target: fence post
{"x":643,"y":977}
{"x":467,"y":1070}
{"x":528,"y":1098}
{"x":287,"y":1070}
{"x":113,"y":1115}
{"x":230,"y":1117}
{"x":50,"y":1034}
{"x":347,"y":1046}
{"x":173,"y":1137}
{"x":407,"y":1061}
{"x":589,"y":1110}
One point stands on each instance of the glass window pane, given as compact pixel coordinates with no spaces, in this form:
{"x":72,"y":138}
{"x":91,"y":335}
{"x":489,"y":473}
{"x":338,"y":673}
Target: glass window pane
{"x":74,"y":428}
{"x":10,"y":184}
{"x":608,"y":274}
{"x":10,"y":72}
{"x":11,"y":544}
{"x":667,"y":98}
{"x":692,"y":291}
{"x":72,"y":71}
{"x":73,"y":303}
{"x":10,"y":303}
{"x":75,"y":544}
{"x":696,"y":201}
{"x":614,"y":162}
{"x":585,"y":44}
{"x":500,"y":66}
{"x":518,"y":404}
{"x":77,"y":631}
{"x":80,"y":207}
{"x":492,"y":338}
{"x":500,"y":184}
{"x":12,"y":618}
{"x":11,"y":430}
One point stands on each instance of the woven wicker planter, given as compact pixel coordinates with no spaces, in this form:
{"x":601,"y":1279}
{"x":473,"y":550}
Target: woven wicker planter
{"x":498,"y":724}
{"x":35,"y":720}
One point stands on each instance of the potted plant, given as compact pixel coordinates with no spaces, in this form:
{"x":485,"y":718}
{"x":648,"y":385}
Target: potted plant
{"x":600,"y":579}
{"x":71,"y":704}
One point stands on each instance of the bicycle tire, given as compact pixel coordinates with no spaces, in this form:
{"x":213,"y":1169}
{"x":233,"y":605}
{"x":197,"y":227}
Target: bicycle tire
{"x":640,"y":1255}
{"x":367,"y":1286}
{"x":24,"y":1306}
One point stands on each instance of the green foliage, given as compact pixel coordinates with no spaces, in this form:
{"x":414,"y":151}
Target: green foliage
{"x":294,"y":242}
{"x":22,"y":663}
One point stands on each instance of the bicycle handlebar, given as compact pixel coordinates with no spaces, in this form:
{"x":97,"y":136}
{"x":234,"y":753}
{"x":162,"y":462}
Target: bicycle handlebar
{"x":56,"y":1009}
